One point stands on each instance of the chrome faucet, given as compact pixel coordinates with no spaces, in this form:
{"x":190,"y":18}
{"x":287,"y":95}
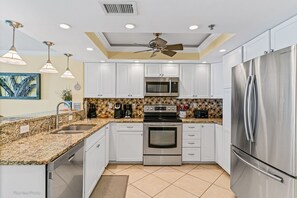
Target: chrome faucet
{"x":57,"y":112}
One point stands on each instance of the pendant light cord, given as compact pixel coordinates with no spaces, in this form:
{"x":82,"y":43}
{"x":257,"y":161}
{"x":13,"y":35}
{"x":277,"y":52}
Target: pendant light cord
{"x":67,"y":63}
{"x":13,"y":36}
{"x":48,"y":53}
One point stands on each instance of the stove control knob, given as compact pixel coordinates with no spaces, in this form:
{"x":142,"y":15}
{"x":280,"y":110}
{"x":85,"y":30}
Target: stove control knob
{"x":168,"y":108}
{"x":147,"y":108}
{"x":151,"y":108}
{"x":172,"y":108}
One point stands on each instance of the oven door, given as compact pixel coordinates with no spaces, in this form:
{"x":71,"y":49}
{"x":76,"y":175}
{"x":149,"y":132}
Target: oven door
{"x":162,"y":138}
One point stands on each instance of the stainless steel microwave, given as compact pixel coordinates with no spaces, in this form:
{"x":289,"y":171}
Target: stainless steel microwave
{"x":161,"y":86}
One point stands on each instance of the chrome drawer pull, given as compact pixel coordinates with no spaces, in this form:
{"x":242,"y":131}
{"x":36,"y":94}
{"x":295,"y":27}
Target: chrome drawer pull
{"x":191,"y":135}
{"x":98,"y":145}
{"x":130,"y":127}
{"x":191,"y":143}
{"x":191,"y":127}
{"x":191,"y":154}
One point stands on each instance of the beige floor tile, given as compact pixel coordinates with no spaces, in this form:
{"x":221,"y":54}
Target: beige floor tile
{"x":117,"y":168}
{"x":168,"y":174}
{"x":223,"y":181}
{"x":184,"y":168}
{"x":149,"y":169}
{"x":133,"y":192}
{"x":134,"y":173}
{"x":192,"y":184}
{"x":211,"y":166}
{"x":215,"y":192}
{"x":174,"y":192}
{"x":151,"y":185}
{"x":107,"y":172}
{"x":206,"y":174}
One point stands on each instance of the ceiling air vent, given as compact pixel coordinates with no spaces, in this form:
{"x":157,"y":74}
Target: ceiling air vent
{"x":119,"y":8}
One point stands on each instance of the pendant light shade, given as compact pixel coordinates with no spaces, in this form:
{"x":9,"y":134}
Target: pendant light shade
{"x":12,"y":57}
{"x":67,"y":73}
{"x":48,"y":67}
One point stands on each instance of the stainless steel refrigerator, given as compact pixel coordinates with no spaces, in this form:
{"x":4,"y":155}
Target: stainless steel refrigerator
{"x":263,"y":150}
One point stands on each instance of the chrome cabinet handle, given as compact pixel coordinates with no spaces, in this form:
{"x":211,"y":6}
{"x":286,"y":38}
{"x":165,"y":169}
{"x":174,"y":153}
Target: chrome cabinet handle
{"x":191,"y":154}
{"x":71,"y":158}
{"x":245,"y":108}
{"x":191,"y":143}
{"x":191,"y":127}
{"x":275,"y":177}
{"x":130,"y":127}
{"x":265,"y":52}
{"x":272,"y":50}
{"x":191,"y":135}
{"x":98,"y":145}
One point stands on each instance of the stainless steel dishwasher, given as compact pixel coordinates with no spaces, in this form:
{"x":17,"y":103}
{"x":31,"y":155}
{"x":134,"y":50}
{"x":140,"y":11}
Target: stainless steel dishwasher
{"x":65,"y":174}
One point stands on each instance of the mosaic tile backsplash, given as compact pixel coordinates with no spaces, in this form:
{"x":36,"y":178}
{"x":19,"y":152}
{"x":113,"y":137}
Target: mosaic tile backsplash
{"x":214,"y":106}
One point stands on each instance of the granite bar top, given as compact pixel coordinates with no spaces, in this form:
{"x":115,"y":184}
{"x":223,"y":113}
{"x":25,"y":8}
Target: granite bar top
{"x":42,"y":148}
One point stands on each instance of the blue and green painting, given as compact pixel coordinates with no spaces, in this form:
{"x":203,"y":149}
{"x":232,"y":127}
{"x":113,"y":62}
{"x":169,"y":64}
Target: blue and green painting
{"x":20,"y":86}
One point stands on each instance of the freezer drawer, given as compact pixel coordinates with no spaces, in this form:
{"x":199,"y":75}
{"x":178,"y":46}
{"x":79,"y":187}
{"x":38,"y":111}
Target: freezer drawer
{"x":252,"y":178}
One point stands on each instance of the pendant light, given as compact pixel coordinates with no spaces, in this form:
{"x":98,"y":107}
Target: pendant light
{"x":67,"y":73}
{"x":12,"y":57}
{"x":48,"y":67}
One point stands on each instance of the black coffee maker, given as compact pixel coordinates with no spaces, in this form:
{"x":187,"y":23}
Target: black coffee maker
{"x":92,"y":111}
{"x":118,"y":111}
{"x":128,"y":110}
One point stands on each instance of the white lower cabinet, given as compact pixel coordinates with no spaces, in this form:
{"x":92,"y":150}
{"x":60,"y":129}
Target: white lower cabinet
{"x":207,"y":143}
{"x":113,"y":142}
{"x":94,"y":160}
{"x":219,"y":144}
{"x":191,"y":154}
{"x":107,"y":144}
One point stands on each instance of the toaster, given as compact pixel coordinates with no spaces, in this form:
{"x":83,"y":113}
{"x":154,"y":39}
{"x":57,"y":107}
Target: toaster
{"x":201,"y":114}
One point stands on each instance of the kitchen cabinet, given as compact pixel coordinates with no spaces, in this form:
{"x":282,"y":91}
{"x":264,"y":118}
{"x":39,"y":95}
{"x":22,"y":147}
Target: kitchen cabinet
{"x":219,"y":144}
{"x":207,"y":142}
{"x":230,"y":60}
{"x":227,"y":108}
{"x":284,"y":35}
{"x":113,"y":142}
{"x":257,"y":46}
{"x":226,"y":149}
{"x":130,"y":80}
{"x":99,"y":80}
{"x":217,"y":86}
{"x":129,"y":142}
{"x":94,"y":160}
{"x":161,"y":70}
{"x":191,"y":147}
{"x":226,"y":129}
{"x":194,"y":81}
{"x":107,"y":136}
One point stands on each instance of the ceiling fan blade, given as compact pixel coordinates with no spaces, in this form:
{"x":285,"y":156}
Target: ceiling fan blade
{"x":160,"y":42}
{"x":175,"y":47}
{"x":153,"y":54}
{"x":169,"y":53}
{"x":144,"y":51}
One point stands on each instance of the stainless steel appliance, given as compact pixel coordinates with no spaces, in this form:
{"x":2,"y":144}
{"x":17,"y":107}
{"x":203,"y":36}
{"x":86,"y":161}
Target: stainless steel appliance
{"x":263,"y":151}
{"x":161,"y":86}
{"x":65,"y":174}
{"x":162,"y":135}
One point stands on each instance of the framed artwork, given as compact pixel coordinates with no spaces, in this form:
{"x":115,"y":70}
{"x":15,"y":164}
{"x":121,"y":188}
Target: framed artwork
{"x":25,"y":86}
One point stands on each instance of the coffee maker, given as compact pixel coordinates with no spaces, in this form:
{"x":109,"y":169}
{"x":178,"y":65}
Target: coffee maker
{"x":92,"y":111}
{"x":128,"y":110}
{"x":118,"y":110}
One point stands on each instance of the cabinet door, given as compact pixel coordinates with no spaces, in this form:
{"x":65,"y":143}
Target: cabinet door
{"x":217,"y":87}
{"x":107,"y":135}
{"x":170,"y":70}
{"x":227,"y":109}
{"x":153,"y":70}
{"x":186,"y":83}
{"x":226,"y":149}
{"x":257,"y":47}
{"x":107,"y":80}
{"x":113,"y":143}
{"x":230,"y":60}
{"x":136,"y":80}
{"x":202,"y":81}
{"x":284,"y":35}
{"x":129,"y":146}
{"x":123,"y":82}
{"x":219,"y":144}
{"x":207,"y":142}
{"x":91,"y":80}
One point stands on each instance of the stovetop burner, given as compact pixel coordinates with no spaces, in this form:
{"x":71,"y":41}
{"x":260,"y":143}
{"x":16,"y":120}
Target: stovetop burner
{"x":161,"y":113}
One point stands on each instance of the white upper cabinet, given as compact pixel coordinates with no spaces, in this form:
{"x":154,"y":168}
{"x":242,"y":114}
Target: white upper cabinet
{"x":161,"y":70}
{"x":99,"y":80}
{"x":130,"y":80}
{"x":230,"y":60}
{"x":284,"y":35}
{"x":217,"y":86}
{"x":194,"y":81}
{"x":257,"y":47}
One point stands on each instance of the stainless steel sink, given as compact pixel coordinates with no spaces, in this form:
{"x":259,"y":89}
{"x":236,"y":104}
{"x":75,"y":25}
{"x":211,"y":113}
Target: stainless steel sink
{"x":75,"y":128}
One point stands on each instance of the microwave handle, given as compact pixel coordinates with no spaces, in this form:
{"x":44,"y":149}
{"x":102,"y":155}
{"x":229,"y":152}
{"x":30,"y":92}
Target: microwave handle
{"x":170,"y":83}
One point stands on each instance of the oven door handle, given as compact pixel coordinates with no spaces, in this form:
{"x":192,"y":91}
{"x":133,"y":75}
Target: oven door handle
{"x":170,"y":84}
{"x":163,"y":124}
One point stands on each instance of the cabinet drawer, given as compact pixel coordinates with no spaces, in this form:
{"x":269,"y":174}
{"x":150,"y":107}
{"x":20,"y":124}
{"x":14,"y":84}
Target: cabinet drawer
{"x":191,"y":143}
{"x":191,"y":127}
{"x":191,"y":154}
{"x":191,"y":135}
{"x":129,"y":127}
{"x":90,"y":141}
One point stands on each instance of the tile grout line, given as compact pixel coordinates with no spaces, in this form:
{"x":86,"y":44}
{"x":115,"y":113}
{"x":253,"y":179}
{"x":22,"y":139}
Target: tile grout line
{"x":185,"y":190}
{"x":211,"y":185}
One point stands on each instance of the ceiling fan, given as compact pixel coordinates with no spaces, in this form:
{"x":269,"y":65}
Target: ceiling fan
{"x":159,"y":45}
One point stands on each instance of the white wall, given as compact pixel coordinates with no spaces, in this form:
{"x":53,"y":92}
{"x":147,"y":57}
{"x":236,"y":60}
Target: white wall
{"x":51,"y":85}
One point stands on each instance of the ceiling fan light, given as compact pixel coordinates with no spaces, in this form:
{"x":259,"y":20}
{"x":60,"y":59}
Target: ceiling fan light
{"x":130,"y":26}
{"x":193,"y":27}
{"x":48,"y":68}
{"x":67,"y":74}
{"x":12,"y":57}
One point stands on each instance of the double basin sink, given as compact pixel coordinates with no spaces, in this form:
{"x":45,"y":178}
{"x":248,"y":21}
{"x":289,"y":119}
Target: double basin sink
{"x":75,"y":129}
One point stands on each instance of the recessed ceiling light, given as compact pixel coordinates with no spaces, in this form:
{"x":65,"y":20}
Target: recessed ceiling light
{"x":102,"y":61}
{"x":204,"y":62}
{"x":90,"y":49}
{"x":222,"y":50}
{"x":130,"y":26}
{"x":193,"y":27}
{"x":65,"y":26}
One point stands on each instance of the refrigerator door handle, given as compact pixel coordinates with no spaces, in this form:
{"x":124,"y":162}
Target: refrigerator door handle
{"x":251,"y":113}
{"x":275,"y":177}
{"x":245,"y":108}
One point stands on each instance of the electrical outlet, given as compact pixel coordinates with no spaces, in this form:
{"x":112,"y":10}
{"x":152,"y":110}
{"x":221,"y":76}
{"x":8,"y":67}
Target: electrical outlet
{"x":110,"y":105}
{"x":195,"y":105}
{"x":24,"y":129}
{"x":70,"y":117}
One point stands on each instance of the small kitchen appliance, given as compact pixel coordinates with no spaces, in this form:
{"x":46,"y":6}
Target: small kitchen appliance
{"x":92,"y":111}
{"x":128,"y":110}
{"x":118,"y":110}
{"x":201,"y":114}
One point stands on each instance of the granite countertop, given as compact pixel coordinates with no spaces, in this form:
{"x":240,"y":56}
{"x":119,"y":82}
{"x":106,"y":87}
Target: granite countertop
{"x":42,"y":148}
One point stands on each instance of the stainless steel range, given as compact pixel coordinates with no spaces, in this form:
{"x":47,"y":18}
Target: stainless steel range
{"x":162,"y":135}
